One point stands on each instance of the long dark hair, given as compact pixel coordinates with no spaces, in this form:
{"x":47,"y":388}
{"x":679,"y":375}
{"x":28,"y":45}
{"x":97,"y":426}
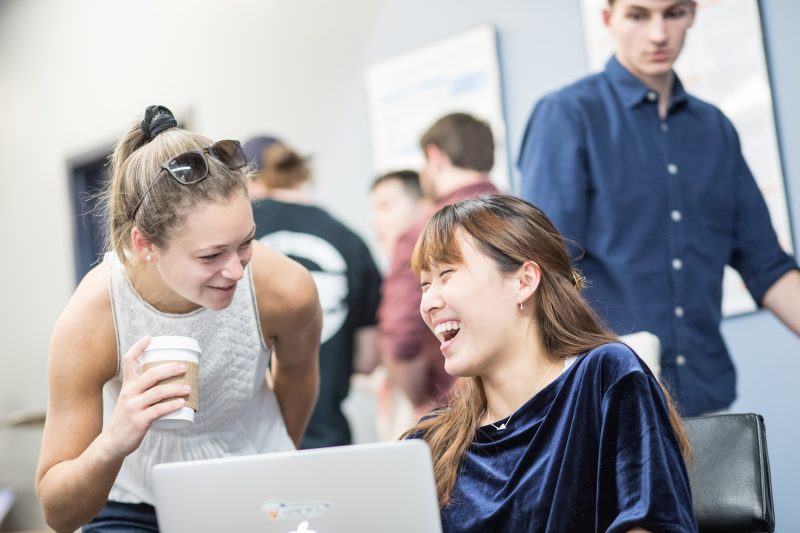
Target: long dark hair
{"x":510,"y":232}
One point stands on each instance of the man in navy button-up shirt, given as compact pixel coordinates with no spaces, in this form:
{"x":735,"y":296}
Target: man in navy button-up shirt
{"x":651,"y":185}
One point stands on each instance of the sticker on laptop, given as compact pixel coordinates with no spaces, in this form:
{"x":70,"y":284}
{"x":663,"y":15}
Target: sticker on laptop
{"x":282,"y":510}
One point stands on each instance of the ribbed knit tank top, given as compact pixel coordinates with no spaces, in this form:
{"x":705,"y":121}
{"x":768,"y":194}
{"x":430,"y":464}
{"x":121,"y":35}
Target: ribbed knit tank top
{"x":238,"y":412}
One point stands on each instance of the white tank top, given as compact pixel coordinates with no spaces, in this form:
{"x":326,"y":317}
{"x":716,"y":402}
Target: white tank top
{"x":238,"y":412}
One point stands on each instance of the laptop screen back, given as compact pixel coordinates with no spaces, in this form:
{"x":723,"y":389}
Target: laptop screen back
{"x":384,"y":487}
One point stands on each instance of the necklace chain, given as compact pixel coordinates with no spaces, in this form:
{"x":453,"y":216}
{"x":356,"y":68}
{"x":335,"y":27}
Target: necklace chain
{"x":504,"y":425}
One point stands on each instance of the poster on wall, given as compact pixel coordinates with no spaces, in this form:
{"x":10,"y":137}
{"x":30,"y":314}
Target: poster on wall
{"x":724,"y":63}
{"x":407,"y":93}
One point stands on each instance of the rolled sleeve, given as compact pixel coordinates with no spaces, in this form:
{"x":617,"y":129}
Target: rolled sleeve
{"x":757,"y":254}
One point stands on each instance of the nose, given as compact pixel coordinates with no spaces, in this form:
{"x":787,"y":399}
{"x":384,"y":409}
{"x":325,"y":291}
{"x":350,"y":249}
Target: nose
{"x":234,"y":268}
{"x":657,"y":30}
{"x":431,"y":301}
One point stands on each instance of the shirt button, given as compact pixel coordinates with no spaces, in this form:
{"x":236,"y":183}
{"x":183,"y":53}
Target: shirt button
{"x":652,"y":96}
{"x":664,"y":127}
{"x":679,"y":311}
{"x":676,"y":215}
{"x":680,"y":360}
{"x":672,"y":169}
{"x":677,"y":264}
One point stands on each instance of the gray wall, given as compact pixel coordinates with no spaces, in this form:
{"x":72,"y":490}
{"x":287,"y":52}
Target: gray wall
{"x":73,"y":74}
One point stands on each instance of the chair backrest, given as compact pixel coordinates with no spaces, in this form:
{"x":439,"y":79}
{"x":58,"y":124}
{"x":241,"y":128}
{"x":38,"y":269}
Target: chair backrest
{"x":729,"y":473}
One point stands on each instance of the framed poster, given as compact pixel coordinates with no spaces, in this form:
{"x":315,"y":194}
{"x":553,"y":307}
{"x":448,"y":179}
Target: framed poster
{"x":407,"y":93}
{"x":723,"y":62}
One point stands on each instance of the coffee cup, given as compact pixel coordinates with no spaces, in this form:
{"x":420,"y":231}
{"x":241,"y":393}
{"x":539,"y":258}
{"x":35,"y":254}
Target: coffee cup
{"x":171,"y":349}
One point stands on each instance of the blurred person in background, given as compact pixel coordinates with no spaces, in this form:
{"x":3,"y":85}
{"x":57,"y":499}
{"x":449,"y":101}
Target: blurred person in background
{"x":347,"y":279}
{"x":397,"y":202}
{"x":459,"y":154}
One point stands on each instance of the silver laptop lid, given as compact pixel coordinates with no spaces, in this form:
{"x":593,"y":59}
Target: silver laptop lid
{"x":386,"y":487}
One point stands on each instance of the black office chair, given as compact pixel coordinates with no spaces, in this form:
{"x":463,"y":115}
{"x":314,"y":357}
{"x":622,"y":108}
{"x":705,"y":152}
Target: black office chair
{"x":729,"y":473}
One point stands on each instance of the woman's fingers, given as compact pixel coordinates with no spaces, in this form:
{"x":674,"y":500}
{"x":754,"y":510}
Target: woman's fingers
{"x":160,"y":409}
{"x":138,"y":381}
{"x":158,"y":373}
{"x":144,"y":397}
{"x":130,"y":361}
{"x":160,"y":393}
{"x":149,"y":388}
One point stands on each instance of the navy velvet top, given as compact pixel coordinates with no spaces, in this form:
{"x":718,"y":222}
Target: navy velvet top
{"x":592,"y":451}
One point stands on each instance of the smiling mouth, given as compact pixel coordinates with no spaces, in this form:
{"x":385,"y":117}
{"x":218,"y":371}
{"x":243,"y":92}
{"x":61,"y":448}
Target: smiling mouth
{"x":446,"y":331}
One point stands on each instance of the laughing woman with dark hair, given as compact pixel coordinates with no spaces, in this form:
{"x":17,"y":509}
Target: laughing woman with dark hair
{"x":554,"y":425}
{"x":182,"y":263}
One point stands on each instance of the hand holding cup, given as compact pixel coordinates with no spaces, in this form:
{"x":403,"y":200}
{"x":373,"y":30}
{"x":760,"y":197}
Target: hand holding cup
{"x":148,"y":394}
{"x":169,"y":350}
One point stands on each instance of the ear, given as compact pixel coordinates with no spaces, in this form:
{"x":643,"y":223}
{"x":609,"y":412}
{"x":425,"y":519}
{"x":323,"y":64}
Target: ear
{"x":434,"y":156}
{"x":528,"y":277}
{"x":693,"y":13}
{"x":142,"y":247}
{"x":607,"y":17}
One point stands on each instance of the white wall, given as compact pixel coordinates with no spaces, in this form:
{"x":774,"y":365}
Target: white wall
{"x":72,"y":75}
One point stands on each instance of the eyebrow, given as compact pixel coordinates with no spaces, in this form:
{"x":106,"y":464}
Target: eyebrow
{"x":648,"y":9}
{"x":216,"y":247}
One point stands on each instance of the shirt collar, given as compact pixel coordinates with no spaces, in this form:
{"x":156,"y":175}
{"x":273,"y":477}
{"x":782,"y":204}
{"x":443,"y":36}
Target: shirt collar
{"x":679,"y":94}
{"x":468,"y":191}
{"x":631,"y":89}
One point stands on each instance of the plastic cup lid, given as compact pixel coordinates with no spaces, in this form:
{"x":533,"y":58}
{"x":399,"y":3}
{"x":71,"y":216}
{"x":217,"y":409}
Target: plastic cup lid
{"x":174,"y":342}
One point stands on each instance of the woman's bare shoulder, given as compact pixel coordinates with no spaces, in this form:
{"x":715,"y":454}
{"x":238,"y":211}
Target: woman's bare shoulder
{"x":84,"y":334}
{"x":285,"y":290}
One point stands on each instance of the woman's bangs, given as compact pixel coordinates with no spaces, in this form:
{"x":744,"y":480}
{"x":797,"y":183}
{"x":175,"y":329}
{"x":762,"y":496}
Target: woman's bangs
{"x":438,"y":244}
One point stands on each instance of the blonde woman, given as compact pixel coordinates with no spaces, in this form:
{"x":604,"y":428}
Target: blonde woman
{"x":183,"y":262}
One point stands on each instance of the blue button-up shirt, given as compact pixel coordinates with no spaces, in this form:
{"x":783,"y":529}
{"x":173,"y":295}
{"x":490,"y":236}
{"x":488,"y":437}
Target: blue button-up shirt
{"x":657,"y":208}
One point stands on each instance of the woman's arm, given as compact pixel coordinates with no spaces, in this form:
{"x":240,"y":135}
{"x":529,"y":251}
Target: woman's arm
{"x":366,"y":357}
{"x":291,"y":317}
{"x":79,"y":461}
{"x":641,"y":458}
{"x":782,"y":299}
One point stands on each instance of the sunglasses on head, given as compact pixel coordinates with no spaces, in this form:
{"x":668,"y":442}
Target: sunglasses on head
{"x":191,"y":167}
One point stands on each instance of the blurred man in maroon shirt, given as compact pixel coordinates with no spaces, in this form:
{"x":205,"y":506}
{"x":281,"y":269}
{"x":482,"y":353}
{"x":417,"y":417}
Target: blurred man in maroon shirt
{"x":459,"y":153}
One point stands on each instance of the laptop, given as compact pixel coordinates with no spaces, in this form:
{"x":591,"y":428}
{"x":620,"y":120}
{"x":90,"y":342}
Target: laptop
{"x":385,"y":487}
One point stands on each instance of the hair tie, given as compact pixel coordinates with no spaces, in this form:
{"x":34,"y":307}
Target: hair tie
{"x":157,"y":118}
{"x":578,"y":280}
